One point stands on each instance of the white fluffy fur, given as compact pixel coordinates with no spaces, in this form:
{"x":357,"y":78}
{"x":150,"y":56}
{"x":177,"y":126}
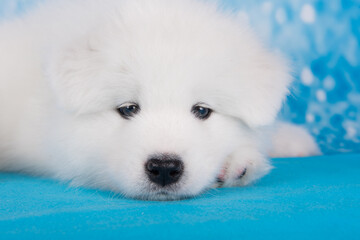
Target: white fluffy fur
{"x":289,"y":140}
{"x":66,"y":66}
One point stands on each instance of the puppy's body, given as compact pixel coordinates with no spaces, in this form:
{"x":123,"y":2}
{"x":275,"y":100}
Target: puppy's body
{"x":68,"y":66}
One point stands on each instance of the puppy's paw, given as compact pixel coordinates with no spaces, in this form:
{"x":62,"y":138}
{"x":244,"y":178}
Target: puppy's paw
{"x":242,"y":169}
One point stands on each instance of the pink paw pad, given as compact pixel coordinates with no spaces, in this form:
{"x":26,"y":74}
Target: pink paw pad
{"x":221,"y":176}
{"x":241,"y":173}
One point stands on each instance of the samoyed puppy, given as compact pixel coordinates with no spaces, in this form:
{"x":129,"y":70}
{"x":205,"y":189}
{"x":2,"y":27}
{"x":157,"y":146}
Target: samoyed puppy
{"x":152,"y":99}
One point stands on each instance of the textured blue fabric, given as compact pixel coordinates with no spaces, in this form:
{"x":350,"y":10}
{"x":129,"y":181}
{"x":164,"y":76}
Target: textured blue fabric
{"x":303,"y":198}
{"x":321,"y":38}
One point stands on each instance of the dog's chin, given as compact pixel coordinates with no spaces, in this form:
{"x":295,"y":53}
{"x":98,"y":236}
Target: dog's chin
{"x":171,"y":193}
{"x":163,"y":196}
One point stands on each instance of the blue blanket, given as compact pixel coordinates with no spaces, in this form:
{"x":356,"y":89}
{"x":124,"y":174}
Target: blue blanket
{"x":302,"y":198}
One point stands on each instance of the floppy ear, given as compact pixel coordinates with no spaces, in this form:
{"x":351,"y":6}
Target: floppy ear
{"x":77,"y":72}
{"x":256,"y":90}
{"x":260,"y":99}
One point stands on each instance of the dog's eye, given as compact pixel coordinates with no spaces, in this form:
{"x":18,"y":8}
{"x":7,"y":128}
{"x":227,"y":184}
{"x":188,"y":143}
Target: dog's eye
{"x":201,"y":112}
{"x":128,"y":110}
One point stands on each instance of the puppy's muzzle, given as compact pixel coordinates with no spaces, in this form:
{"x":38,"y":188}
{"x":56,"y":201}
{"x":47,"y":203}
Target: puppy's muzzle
{"x":164,"y":170}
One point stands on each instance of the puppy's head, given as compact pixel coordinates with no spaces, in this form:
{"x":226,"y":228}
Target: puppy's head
{"x":163,"y":94}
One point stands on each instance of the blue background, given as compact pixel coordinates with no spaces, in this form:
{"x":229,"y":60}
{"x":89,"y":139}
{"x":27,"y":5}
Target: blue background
{"x":321,"y":39}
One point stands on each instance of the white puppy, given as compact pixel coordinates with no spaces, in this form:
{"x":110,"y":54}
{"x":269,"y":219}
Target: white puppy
{"x":151,"y":99}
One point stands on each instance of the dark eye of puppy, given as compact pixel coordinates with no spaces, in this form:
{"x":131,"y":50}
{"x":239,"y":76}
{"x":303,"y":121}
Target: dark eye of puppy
{"x":128,"y":110}
{"x":201,"y":112}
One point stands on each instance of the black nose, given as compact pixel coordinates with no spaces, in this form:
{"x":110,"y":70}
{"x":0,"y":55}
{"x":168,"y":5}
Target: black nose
{"x":164,"y":170}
